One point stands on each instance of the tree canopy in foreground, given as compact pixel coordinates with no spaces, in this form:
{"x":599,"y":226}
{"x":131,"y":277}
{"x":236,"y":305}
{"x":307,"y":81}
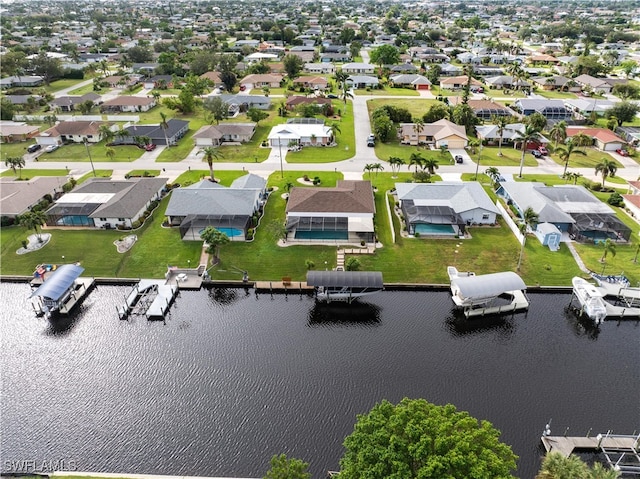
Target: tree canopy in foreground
{"x":418,"y":439}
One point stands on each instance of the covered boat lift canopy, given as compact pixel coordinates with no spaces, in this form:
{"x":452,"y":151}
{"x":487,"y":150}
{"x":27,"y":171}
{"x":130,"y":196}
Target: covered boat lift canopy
{"x":348,"y":279}
{"x":59,"y":283}
{"x":470,"y":290}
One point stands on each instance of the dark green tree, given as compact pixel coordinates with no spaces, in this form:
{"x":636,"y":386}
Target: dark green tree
{"x":33,"y":220}
{"x":624,"y":112}
{"x":256,"y":115}
{"x":385,"y":55}
{"x":214,"y":238}
{"x":417,"y":439}
{"x":281,"y":466}
{"x":218,"y":108}
{"x":292,"y":65}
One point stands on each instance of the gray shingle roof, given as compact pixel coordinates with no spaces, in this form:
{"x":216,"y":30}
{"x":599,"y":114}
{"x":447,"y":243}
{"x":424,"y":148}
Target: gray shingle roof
{"x":459,"y":196}
{"x":132,"y":195}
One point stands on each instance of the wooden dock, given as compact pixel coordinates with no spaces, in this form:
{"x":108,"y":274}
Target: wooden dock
{"x":566,"y":445}
{"x":282,"y":286}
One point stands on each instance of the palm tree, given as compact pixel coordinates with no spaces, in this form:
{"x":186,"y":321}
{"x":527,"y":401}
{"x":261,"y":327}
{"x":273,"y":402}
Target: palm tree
{"x":418,"y":127}
{"x":558,"y":132}
{"x":15,"y":162}
{"x":335,"y":129}
{"x":368,"y":168}
{"x":106,"y":134}
{"x":564,"y":153}
{"x":33,"y":220}
{"x":607,"y":167}
{"x":111,"y":153}
{"x":164,"y":124}
{"x":493,"y":173}
{"x":431,"y":165}
{"x":395,"y":163}
{"x":501,"y":122}
{"x":557,"y":466}
{"x":377,"y":167}
{"x":609,"y":247}
{"x":598,"y":471}
{"x":287,"y":186}
{"x":529,"y":218}
{"x":530,"y":133}
{"x":210,"y":153}
{"x":416,"y":160}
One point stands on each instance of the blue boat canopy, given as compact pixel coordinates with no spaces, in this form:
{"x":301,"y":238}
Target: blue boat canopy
{"x":353,"y":279}
{"x":488,"y":285}
{"x":59,"y":282}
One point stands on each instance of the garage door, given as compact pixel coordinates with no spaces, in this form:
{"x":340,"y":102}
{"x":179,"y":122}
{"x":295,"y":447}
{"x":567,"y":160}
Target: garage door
{"x":423,"y":87}
{"x":456,"y":144}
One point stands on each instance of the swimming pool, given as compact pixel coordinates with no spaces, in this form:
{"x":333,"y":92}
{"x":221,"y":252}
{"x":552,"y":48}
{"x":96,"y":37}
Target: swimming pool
{"x":230,"y":232}
{"x":431,"y":229}
{"x":322,"y":235}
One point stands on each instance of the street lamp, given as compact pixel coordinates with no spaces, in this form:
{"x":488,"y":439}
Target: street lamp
{"x":86,"y":145}
{"x":280,"y":150}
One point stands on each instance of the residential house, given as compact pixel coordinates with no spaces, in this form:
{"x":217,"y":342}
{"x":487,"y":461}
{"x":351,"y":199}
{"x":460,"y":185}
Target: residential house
{"x":216,"y":135}
{"x":174,"y":131}
{"x":449,"y":70}
{"x":442,"y":133}
{"x":335,"y":57}
{"x":406,"y":68}
{"x":358,"y":68}
{"x":343,"y":213}
{"x":585,"y":107}
{"x":362,"y":81}
{"x":69,"y":103}
{"x":23,"y":101}
{"x":556,"y":83}
{"x":550,"y":109}
{"x":206,"y":203}
{"x":507,"y":81}
{"x":214,"y":78}
{"x":106,"y":203}
{"x":72,"y":131}
{"x":603,"y":139}
{"x":510,"y":135}
{"x":445,"y":208}
{"x":298,"y":132}
{"x":598,"y":85}
{"x":13,"y":132}
{"x":269,"y":80}
{"x":458,"y":83}
{"x":545,"y":59}
{"x":320,"y":68}
{"x":571,"y":208}
{"x":415,"y":81}
{"x":484,"y":109}
{"x":632,"y":200}
{"x":130,"y":104}
{"x":25,"y":81}
{"x":313,"y":82}
{"x":293,"y":101}
{"x":242,"y":102}
{"x":158,"y":81}
{"x":18,"y":197}
{"x":122,"y":81}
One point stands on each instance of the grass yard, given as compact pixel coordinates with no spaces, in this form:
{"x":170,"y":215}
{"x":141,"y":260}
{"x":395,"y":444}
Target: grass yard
{"x":556,"y":95}
{"x":510,"y":157}
{"x":78,"y":152}
{"x":592,"y":158}
{"x":33,"y":172}
{"x":386,"y":90}
{"x":58,"y":85}
{"x":167,"y":92}
{"x":86,"y":89}
{"x":10,"y":150}
{"x":417,"y":108}
{"x":149,"y":173}
{"x":495,"y":93}
{"x":393,"y":148}
{"x":99,"y":174}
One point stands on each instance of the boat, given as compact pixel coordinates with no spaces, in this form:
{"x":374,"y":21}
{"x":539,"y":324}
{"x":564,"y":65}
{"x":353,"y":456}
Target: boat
{"x":344,"y":286}
{"x":591,"y":299}
{"x":61,"y":291}
{"x":488,"y":293}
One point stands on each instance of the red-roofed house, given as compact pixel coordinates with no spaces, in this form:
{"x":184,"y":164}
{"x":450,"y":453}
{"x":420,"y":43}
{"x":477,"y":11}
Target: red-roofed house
{"x":604,"y":139}
{"x":632,"y":203}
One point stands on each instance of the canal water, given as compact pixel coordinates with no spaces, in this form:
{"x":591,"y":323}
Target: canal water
{"x":231,"y":378}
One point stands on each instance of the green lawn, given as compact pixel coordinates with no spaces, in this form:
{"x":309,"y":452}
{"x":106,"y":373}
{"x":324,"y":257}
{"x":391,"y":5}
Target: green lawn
{"x":510,"y":157}
{"x":495,"y":93}
{"x":393,"y":148}
{"x":142,"y":173}
{"x":32,"y":172}
{"x":58,"y":85}
{"x":9,"y":150}
{"x":86,"y":89}
{"x":417,"y":108}
{"x":386,"y":90}
{"x":78,"y":152}
{"x":590,"y":160}
{"x":99,"y":174}
{"x":559,"y":95}
{"x":167,"y":92}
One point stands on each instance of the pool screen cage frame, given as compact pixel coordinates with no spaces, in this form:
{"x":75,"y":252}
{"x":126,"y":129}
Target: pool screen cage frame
{"x":196,"y":222}
{"x":435,"y":215}
{"x":317,"y":223}
{"x":602,"y":226}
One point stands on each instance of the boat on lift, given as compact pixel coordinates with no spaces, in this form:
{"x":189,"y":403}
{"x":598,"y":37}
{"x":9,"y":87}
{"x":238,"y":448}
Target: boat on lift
{"x":591,"y":299}
{"x":344,"y":286}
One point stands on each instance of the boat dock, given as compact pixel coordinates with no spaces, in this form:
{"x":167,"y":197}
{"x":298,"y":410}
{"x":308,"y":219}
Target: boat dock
{"x":62,"y":290}
{"x":286,"y":285}
{"x":149,"y":297}
{"x":617,"y":301}
{"x":620,"y":451}
{"x":82,"y":288}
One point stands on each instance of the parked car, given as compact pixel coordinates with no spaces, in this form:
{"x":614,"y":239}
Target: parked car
{"x":459,"y":159}
{"x":543,"y":150}
{"x":622,"y":152}
{"x":242,"y":87}
{"x":536,"y":153}
{"x":51,"y":148}
{"x":150,"y":147}
{"x":332,"y":96}
{"x":371,"y":141}
{"x":34,"y":148}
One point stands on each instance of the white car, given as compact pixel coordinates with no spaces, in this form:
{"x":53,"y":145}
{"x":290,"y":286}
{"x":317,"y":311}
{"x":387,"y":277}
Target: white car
{"x":51,"y":148}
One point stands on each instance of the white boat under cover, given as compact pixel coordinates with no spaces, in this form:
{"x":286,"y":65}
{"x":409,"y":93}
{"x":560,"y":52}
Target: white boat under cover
{"x":590,"y":298}
{"x":470,"y":291}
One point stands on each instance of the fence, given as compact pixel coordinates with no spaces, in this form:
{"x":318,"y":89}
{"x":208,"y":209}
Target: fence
{"x":515,"y":229}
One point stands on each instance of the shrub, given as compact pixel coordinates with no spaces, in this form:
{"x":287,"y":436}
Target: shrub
{"x":362,"y":243}
{"x":309,"y":264}
{"x":6,"y":221}
{"x":352,"y":264}
{"x":316,"y":181}
{"x":250,"y":233}
{"x":616,"y":199}
{"x":136,"y":224}
{"x":305,"y":177}
{"x":416,"y":234}
{"x":596,"y":186}
{"x":24,"y":243}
